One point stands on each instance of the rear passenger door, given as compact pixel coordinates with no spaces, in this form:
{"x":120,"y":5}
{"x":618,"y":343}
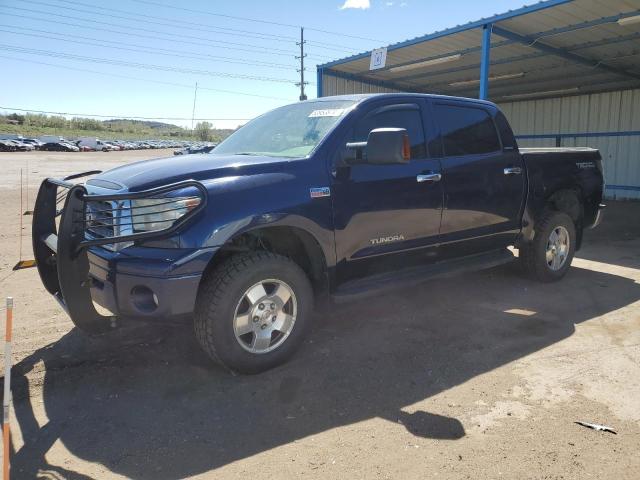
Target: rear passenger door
{"x":483,"y":179}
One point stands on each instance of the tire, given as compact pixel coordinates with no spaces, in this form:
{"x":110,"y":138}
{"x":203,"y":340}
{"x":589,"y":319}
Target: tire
{"x":224,"y":301}
{"x":546,"y":266}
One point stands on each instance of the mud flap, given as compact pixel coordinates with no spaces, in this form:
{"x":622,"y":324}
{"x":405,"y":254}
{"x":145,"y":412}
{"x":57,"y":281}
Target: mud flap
{"x":62,"y":265}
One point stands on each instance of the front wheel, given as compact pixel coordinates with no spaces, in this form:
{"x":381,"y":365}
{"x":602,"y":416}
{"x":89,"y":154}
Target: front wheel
{"x":548,"y":257}
{"x":253,"y":311}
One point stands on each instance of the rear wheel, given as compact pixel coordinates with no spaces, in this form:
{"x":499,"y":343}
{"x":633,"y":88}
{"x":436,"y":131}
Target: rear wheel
{"x":548,"y":257}
{"x":253,"y":311}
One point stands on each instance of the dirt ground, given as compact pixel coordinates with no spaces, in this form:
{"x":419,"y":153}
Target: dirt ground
{"x":479,"y":376}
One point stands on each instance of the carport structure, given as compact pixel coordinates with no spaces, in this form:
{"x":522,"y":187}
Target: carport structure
{"x":566,"y":72}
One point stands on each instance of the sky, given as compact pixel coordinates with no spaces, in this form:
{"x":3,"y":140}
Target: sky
{"x":142,"y":58}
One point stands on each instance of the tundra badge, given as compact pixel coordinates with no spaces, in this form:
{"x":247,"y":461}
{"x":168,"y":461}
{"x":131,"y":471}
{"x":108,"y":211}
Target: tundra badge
{"x":387,"y":239}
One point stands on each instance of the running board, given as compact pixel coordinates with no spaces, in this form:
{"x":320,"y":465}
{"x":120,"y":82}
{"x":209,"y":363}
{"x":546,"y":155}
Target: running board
{"x":382,"y":283}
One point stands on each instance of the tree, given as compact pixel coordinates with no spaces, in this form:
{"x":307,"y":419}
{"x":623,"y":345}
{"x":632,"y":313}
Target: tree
{"x":203,"y":130}
{"x":17,"y":118}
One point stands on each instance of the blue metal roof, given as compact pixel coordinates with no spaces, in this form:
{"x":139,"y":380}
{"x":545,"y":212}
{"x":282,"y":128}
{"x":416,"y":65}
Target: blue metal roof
{"x":458,"y":28}
{"x":549,"y":48}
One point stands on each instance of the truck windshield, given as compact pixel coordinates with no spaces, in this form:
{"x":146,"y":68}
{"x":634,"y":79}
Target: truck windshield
{"x":290,"y":131}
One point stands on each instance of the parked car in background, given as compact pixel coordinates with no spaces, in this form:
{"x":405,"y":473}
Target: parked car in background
{"x":51,"y":138}
{"x":72,"y":146}
{"x":93,"y":143}
{"x":88,"y":144}
{"x":10,"y":136}
{"x":59,"y":147}
{"x":113,"y":146}
{"x":7,"y":146}
{"x":21,"y":146}
{"x":195,"y":149}
{"x":33,"y":141}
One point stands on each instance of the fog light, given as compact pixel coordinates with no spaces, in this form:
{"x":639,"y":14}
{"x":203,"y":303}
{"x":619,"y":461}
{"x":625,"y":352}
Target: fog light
{"x":144,"y":299}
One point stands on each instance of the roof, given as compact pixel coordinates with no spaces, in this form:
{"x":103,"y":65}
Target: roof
{"x":360,"y":97}
{"x":550,"y":48}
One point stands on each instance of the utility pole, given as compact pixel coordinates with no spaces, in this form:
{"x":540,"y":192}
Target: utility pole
{"x":193,"y":112}
{"x":301,"y":58}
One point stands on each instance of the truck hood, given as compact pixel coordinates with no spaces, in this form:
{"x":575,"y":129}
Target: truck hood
{"x":163,"y":171}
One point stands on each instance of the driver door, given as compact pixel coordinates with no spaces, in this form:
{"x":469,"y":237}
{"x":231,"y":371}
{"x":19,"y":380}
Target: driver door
{"x":388,"y":216}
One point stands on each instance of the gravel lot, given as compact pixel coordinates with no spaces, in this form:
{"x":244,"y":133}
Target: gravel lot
{"x":479,"y":376}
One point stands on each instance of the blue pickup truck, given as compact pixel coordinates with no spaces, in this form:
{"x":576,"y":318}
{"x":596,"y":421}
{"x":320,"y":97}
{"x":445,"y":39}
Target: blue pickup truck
{"x":320,"y":201}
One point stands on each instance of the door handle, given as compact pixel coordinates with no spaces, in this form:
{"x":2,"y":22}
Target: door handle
{"x":512,"y":171}
{"x":429,"y":178}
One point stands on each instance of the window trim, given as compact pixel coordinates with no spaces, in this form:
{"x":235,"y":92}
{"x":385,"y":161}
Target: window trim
{"x":514,"y":148}
{"x":393,"y":107}
{"x":473,"y":106}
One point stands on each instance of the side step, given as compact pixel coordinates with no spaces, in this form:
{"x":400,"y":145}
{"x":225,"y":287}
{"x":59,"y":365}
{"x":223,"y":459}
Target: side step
{"x":384,"y":282}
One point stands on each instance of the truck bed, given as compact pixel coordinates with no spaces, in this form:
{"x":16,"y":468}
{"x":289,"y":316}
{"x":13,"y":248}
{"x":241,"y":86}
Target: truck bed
{"x":574,"y":158}
{"x":564,"y":150}
{"x":565,"y":169}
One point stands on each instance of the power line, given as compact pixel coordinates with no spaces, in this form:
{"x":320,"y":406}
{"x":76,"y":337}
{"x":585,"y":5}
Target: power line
{"x":209,"y":28}
{"x":175,"y":20}
{"x":245,"y":33}
{"x":108,"y":61}
{"x":172,"y":38}
{"x":202,"y":39}
{"x":144,"y":49}
{"x":255,"y":20}
{"x":119,"y":117}
{"x":160,"y":82}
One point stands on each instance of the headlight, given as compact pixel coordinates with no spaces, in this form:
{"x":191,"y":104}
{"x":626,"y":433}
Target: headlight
{"x":151,"y":214}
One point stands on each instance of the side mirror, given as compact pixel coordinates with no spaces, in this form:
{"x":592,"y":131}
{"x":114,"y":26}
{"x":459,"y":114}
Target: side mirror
{"x":384,"y":146}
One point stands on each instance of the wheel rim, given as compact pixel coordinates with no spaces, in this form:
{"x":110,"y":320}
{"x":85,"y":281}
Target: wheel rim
{"x":557,"y":248}
{"x":265,"y":316}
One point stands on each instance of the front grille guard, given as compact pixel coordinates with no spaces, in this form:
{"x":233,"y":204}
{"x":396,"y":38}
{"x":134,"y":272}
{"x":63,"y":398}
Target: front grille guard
{"x":61,"y":234}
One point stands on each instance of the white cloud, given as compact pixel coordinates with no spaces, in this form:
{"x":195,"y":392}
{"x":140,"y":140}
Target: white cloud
{"x":361,"y":4}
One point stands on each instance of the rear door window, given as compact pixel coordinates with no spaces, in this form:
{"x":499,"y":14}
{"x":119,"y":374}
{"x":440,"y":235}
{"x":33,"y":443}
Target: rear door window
{"x":466,"y":130}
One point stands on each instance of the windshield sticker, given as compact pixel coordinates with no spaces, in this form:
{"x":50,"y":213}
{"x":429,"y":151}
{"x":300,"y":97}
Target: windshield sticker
{"x":329,"y":112}
{"x":319,"y":192}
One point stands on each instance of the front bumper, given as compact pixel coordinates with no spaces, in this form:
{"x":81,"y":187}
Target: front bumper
{"x":146,"y":282}
{"x":78,"y":272}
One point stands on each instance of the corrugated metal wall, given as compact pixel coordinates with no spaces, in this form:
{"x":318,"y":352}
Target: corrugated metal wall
{"x":614,"y":112}
{"x":595,"y":114}
{"x":332,"y":85}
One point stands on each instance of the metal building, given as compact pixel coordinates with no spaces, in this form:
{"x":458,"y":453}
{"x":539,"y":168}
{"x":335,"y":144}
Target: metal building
{"x":565,"y":72}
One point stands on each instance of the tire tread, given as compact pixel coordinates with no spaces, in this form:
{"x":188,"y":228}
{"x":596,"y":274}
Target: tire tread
{"x":528,"y":253}
{"x":215,"y":288}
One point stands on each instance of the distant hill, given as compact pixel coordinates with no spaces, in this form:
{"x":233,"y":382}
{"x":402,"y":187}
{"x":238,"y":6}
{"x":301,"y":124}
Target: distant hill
{"x":34,"y":125}
{"x":147,"y":123}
